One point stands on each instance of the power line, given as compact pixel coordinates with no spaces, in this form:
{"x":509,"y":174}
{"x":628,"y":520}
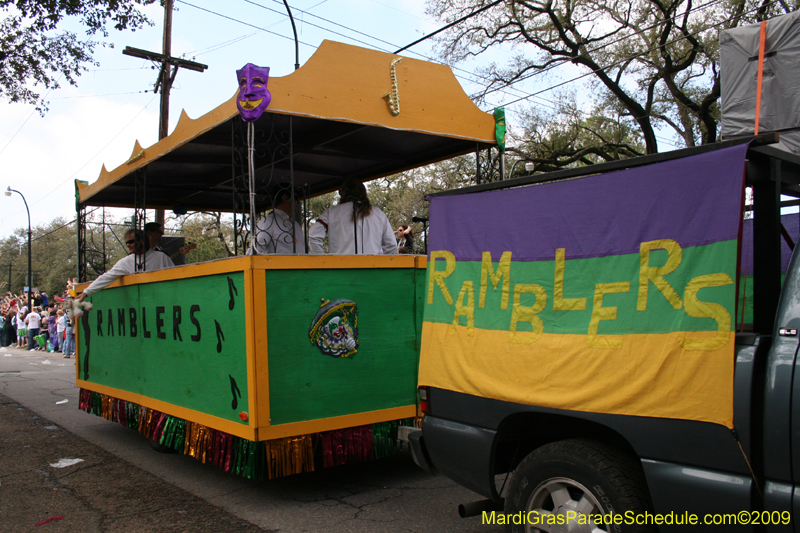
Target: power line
{"x":99,"y":95}
{"x":30,"y":115}
{"x":243,"y":23}
{"x":57,"y":187}
{"x":101,"y":149}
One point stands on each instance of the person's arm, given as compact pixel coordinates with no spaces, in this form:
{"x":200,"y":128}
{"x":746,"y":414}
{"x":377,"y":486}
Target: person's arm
{"x":124,"y":267}
{"x":316,"y":235}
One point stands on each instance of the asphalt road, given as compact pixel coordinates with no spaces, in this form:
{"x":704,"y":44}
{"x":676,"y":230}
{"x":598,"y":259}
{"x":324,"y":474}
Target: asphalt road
{"x":121,"y":484}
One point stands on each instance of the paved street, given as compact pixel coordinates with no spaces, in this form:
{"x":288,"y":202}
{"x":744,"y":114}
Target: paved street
{"x":124,"y":485}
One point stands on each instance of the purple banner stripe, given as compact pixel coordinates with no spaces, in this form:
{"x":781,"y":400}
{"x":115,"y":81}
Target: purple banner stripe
{"x":695,"y":200}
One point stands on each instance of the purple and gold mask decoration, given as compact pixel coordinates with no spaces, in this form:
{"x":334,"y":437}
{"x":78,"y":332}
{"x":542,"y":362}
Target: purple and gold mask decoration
{"x":253,"y":97}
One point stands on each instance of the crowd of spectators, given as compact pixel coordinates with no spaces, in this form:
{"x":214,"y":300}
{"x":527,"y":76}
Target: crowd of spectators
{"x":40,"y":324}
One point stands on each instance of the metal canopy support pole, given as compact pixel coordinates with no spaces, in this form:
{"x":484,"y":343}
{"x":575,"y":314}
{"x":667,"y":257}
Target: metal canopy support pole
{"x":767,"y":253}
{"x":306,"y":215}
{"x":139,"y":213}
{"x":82,"y":259}
{"x":251,"y":184}
{"x":477,"y":164}
{"x":104,"y":238}
{"x":291,"y":182}
{"x":233,"y":189}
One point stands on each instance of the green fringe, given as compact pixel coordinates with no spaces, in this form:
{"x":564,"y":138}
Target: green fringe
{"x":384,"y":437}
{"x":174,"y":433}
{"x":97,"y":404}
{"x":132,"y":415}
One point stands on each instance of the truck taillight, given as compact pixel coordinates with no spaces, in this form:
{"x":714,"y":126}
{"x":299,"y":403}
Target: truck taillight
{"x":423,"y":399}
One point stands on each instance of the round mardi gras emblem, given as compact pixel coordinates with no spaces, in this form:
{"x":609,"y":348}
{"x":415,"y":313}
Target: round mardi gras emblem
{"x":334,"y":329}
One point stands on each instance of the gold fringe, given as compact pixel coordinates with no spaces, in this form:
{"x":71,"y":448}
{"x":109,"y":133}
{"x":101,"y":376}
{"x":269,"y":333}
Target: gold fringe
{"x":196,"y":443}
{"x":291,"y":455}
{"x":145,"y":419}
{"x":107,"y":406}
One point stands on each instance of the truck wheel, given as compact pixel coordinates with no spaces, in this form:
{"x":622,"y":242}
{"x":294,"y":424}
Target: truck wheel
{"x":566,"y":485}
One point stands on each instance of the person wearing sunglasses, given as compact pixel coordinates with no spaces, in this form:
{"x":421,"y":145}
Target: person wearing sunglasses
{"x":136,"y":243}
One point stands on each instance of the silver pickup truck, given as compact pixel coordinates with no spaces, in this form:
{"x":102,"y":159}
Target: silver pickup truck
{"x":601,"y":353}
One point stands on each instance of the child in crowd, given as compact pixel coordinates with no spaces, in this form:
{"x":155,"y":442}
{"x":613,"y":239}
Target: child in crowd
{"x":22,"y":332}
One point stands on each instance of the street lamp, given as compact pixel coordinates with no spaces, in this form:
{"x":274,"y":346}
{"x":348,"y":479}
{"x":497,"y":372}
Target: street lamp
{"x":528,"y":166}
{"x":30,"y":277}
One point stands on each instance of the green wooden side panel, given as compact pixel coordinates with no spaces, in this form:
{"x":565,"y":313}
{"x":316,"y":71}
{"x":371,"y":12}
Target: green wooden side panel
{"x":304,"y":383}
{"x":181,"y":342}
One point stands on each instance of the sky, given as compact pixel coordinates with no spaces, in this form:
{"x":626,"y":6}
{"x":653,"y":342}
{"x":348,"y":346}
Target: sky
{"x":113,"y":105}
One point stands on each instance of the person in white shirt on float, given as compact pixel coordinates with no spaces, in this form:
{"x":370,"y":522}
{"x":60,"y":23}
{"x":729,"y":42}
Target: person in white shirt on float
{"x":274,"y":233}
{"x":354,"y":226}
{"x":135,"y":241}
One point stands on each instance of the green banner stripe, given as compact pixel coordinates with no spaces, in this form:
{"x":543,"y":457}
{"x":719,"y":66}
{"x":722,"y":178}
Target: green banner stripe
{"x":580,"y":278}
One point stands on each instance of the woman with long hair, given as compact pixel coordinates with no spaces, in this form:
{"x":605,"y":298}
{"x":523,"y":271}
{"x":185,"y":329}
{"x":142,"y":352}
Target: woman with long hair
{"x":354,"y":226}
{"x":405,"y":239}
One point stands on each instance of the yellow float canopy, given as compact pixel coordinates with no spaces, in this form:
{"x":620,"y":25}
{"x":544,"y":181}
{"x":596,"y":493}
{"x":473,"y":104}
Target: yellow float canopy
{"x":341,"y":126}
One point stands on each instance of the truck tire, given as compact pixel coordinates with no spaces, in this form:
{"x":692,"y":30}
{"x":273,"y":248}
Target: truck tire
{"x":565,"y":482}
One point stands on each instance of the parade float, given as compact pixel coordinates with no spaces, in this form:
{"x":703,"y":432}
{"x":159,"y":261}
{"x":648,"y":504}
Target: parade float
{"x":268,"y":365}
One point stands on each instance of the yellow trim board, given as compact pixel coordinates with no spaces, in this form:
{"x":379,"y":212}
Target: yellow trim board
{"x":268,"y":262}
{"x":337,"y":422}
{"x":251,"y":329}
{"x":326,"y":261}
{"x":220,"y":424}
{"x":192,"y":270}
{"x":261,"y":346}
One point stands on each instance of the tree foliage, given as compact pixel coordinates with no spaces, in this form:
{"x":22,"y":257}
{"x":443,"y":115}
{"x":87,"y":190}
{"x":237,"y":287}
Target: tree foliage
{"x":210,"y":232}
{"x":53,"y":257}
{"x":34,"y":53}
{"x":565,"y":136}
{"x":651,"y":64}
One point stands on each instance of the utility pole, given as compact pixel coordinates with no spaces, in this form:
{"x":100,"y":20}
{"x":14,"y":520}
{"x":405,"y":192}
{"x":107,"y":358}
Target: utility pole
{"x":166,"y":77}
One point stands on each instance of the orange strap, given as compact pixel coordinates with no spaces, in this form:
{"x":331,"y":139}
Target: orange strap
{"x":761,"y":45}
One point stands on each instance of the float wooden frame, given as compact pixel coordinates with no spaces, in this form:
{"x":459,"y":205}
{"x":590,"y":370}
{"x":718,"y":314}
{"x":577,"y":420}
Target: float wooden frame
{"x":175,"y":305}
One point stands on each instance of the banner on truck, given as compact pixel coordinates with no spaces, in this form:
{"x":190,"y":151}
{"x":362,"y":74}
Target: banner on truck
{"x":610,"y":294}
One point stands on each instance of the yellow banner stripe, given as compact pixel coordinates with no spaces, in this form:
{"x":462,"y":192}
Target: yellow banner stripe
{"x":649,"y":375}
